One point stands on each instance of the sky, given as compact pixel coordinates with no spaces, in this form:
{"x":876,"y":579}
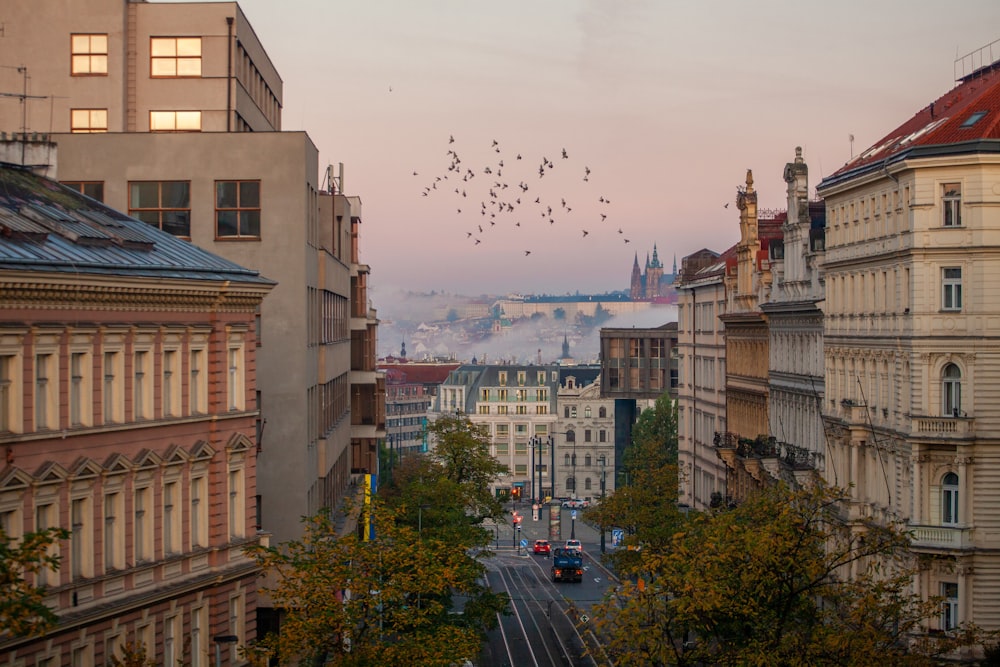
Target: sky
{"x":666,"y":103}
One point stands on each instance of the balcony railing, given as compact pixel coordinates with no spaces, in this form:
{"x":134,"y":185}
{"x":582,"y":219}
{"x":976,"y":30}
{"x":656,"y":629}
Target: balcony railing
{"x":941,"y":537}
{"x":794,"y":456}
{"x":942,"y":427}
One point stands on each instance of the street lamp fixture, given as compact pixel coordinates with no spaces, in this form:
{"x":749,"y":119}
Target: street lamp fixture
{"x":603,"y":480}
{"x":219,"y":641}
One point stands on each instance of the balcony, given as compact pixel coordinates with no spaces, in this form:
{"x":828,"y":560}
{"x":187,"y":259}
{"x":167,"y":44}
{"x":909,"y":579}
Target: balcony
{"x":944,"y":538}
{"x":942,"y":427}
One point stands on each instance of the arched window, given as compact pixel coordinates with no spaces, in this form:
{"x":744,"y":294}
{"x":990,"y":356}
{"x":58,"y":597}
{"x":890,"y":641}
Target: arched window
{"x":567,"y":459}
{"x":573,"y":459}
{"x":570,"y":484}
{"x":949,"y":499}
{"x":586,"y":460}
{"x":571,"y":436}
{"x":602,"y":412}
{"x":951,"y":391}
{"x":586,"y":484}
{"x":586,"y":412}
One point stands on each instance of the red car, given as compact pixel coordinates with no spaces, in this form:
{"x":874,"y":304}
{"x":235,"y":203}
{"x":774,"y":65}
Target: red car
{"x":542,"y":547}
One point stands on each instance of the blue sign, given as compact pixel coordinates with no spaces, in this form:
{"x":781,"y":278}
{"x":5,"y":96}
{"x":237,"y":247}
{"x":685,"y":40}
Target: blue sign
{"x":524,"y":543}
{"x":617,"y":535}
{"x":572,"y":515}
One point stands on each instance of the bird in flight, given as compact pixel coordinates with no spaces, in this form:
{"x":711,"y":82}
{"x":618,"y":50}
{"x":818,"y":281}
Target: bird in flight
{"x":478,"y":241}
{"x":564,"y":154}
{"x":603,"y":217}
{"x":451,"y":138}
{"x":468,"y":235}
{"x":627,"y":241}
{"x":585,"y":232}
{"x":527,"y":252}
{"x":726,"y":205}
{"x":620,"y":231}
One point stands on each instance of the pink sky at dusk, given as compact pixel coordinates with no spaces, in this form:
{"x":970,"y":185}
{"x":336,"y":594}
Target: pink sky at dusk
{"x":667,"y":103}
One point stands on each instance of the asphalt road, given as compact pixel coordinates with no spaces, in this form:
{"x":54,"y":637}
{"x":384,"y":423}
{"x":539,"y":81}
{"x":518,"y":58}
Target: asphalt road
{"x":549,"y":623}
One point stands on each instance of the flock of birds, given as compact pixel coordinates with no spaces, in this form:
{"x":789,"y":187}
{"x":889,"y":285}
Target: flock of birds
{"x":506,"y":193}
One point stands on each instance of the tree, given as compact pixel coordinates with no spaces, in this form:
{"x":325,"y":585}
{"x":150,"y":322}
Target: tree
{"x":559,"y":313}
{"x":784,"y":578}
{"x":452,"y":315}
{"x":386,"y":601}
{"x":23,"y":612}
{"x":351,"y":602}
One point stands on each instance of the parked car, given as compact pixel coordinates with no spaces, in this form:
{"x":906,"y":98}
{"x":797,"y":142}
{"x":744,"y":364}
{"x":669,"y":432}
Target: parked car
{"x":542,"y":547}
{"x":573,"y":545}
{"x":576,"y":504}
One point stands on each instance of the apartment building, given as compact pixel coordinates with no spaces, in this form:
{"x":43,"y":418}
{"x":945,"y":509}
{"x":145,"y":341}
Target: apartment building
{"x":911,"y":349}
{"x":583,"y":439}
{"x":411,"y":388}
{"x":183,"y":112}
{"x":128,"y":415}
{"x":701,"y":371}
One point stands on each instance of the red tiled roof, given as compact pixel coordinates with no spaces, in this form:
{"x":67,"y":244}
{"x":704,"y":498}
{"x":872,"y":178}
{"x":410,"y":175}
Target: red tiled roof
{"x":940,"y":123}
{"x":407,"y":373}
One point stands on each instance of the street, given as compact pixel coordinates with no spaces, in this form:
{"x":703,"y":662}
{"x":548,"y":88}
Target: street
{"x":549,"y":622}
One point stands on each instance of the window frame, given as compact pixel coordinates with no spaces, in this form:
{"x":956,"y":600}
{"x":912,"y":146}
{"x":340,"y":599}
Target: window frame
{"x":88,"y":121}
{"x":178,"y":59}
{"x":92,"y":189}
{"x":951,"y":289}
{"x":949,"y":606}
{"x":950,"y":508}
{"x":239,"y":209}
{"x":175,"y":120}
{"x":951,"y":390}
{"x":160,"y":209}
{"x":951,"y":205}
{"x":91,"y":54}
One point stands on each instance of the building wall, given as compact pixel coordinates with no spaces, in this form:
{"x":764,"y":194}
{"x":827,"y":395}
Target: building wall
{"x":890,"y":339}
{"x":159,"y":505}
{"x":585,"y":461}
{"x":241,"y":80}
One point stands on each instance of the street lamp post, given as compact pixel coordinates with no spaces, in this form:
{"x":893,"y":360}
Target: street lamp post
{"x":533,"y":443}
{"x":219,"y":641}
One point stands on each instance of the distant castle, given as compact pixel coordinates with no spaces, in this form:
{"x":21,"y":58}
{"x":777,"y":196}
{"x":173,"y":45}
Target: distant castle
{"x":653,"y":283}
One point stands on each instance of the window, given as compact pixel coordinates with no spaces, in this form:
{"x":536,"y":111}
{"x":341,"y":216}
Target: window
{"x":951,"y":298}
{"x":142,"y":390}
{"x":171,"y":519}
{"x":949,"y":499}
{"x":199,"y":637}
{"x":586,"y":484}
{"x":237,"y":210}
{"x":542,"y":395}
{"x":949,"y":606}
{"x":175,"y":121}
{"x":114,"y":546}
{"x":114,"y":406}
{"x":571,"y":436}
{"x":602,"y":436}
{"x":142,"y":527}
{"x":163,"y":204}
{"x":46,"y":383}
{"x":484,"y":394}
{"x":522,"y":409}
{"x":572,"y":411}
{"x":503,"y":449}
{"x":45,"y":517}
{"x":586,"y":461}
{"x":199,"y":512}
{"x":88,"y":55}
{"x":501,"y":409}
{"x":171,"y":384}
{"x":565,"y":412}
{"x":88,"y":121}
{"x":234,"y":386}
{"x":79,"y":389}
{"x":951,"y":203}
{"x":541,"y":378}
{"x":81,"y":538}
{"x":483,"y":409}
{"x":502,"y":378}
{"x":541,"y":409}
{"x":521,"y":375}
{"x":197,"y":384}
{"x":503,"y":430}
{"x":520,"y":469}
{"x":174,"y":57}
{"x":171,"y":635}
{"x":10,"y":399}
{"x":586,"y":435}
{"x":93,"y":189}
{"x":586,"y":412}
{"x":951,"y":391}
{"x":236,"y":518}
{"x":602,"y":413}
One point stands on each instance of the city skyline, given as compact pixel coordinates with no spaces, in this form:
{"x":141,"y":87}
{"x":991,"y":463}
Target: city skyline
{"x":667,"y":107}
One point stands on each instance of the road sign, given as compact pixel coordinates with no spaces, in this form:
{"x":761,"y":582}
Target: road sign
{"x":584,"y":618}
{"x":524,"y":543}
{"x":572,"y":515}
{"x":617,"y":535}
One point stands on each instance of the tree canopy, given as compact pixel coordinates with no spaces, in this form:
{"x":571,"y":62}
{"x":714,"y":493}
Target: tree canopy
{"x":414,"y":594}
{"x":784,"y":578}
{"x":23,"y":611}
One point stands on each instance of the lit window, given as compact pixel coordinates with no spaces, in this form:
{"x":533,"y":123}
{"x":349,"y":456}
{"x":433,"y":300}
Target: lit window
{"x":951,"y":203}
{"x":951,"y":391}
{"x":163,"y":204}
{"x":237,"y":209}
{"x":951,"y":298}
{"x":175,"y":56}
{"x":89,"y":55}
{"x":88,"y":121}
{"x":175,"y":121}
{"x":949,"y":499}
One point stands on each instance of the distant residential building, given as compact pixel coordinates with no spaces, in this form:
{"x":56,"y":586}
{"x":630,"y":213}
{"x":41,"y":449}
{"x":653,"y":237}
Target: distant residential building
{"x":129,"y":416}
{"x":701,"y":388}
{"x":411,"y":389}
{"x":584,"y":436}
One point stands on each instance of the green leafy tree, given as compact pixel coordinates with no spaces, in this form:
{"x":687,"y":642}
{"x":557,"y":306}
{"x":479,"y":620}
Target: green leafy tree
{"x":23,"y":612}
{"x":657,"y":426}
{"x":559,"y":313}
{"x":783,"y":579}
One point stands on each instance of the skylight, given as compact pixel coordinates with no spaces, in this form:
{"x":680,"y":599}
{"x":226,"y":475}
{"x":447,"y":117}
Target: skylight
{"x":973,"y":119}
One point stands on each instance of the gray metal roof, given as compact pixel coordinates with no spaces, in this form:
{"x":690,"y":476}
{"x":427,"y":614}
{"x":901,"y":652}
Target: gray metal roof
{"x":45,"y":226}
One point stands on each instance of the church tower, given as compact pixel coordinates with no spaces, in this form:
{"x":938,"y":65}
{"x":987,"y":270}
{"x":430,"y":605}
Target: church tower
{"x":654,"y":271}
{"x":635,"y":287}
